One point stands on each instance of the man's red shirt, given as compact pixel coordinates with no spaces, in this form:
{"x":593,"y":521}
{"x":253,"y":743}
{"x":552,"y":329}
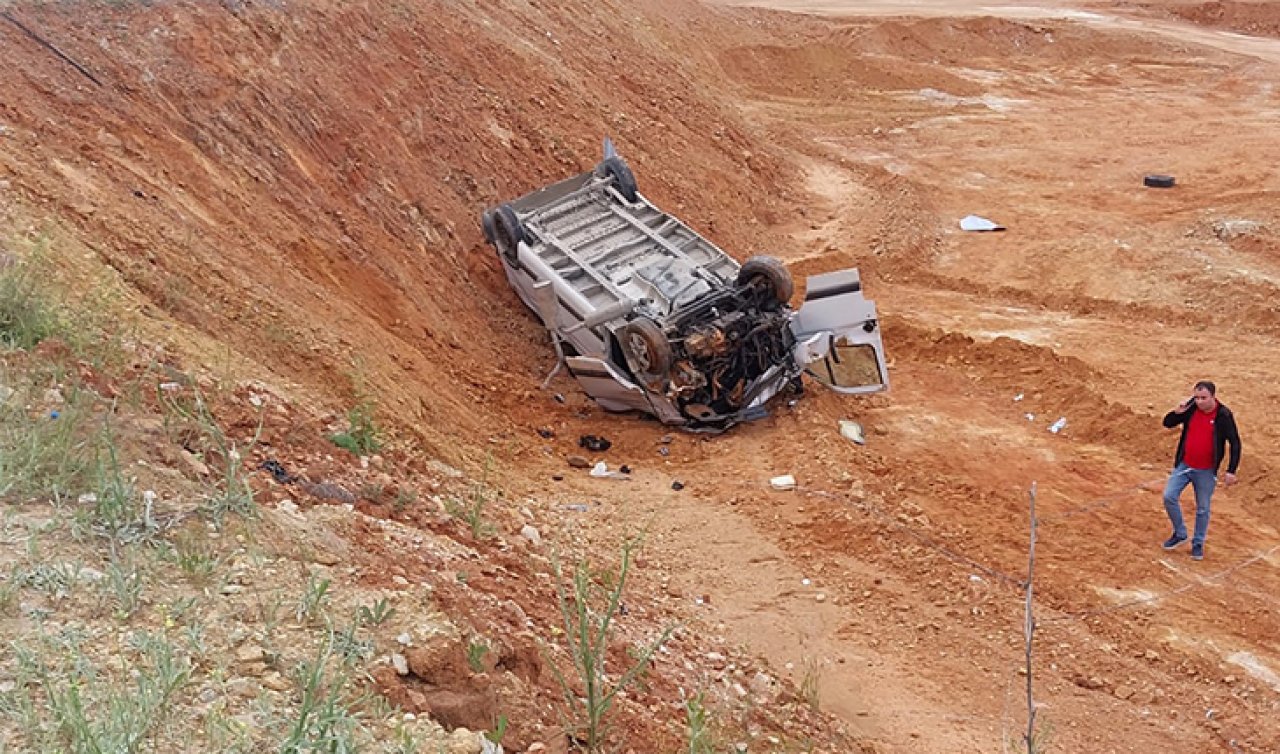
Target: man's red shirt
{"x":1198,"y":450}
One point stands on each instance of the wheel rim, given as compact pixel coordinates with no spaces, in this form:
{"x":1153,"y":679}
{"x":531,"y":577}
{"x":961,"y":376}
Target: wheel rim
{"x":640,"y":351}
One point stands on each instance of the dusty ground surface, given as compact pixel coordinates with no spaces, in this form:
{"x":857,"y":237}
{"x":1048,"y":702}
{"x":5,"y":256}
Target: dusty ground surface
{"x":290,"y":194}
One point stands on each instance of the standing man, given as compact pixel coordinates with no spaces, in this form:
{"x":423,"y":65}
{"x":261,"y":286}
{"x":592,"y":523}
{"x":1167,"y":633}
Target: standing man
{"x":1207,"y":427}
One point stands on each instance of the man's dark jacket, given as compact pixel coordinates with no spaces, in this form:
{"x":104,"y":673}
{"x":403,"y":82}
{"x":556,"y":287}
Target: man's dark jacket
{"x":1224,"y":431}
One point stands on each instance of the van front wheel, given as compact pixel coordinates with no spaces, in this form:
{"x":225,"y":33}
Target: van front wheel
{"x":647,"y":349}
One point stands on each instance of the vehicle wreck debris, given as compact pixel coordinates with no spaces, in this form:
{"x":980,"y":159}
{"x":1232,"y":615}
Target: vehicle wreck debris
{"x":648,"y":315}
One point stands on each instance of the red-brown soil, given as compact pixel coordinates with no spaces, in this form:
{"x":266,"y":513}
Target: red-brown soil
{"x":291,"y":192}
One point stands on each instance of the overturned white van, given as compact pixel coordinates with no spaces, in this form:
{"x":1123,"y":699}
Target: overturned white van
{"x":648,"y":315}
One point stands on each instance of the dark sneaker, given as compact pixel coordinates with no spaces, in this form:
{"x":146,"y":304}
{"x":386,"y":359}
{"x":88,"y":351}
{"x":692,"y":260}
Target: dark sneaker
{"x":1197,"y":552}
{"x":1173,"y":542}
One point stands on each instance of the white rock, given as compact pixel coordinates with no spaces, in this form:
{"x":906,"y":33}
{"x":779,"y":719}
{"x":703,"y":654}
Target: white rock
{"x":404,"y":639}
{"x":400,"y":663}
{"x":530,"y":532}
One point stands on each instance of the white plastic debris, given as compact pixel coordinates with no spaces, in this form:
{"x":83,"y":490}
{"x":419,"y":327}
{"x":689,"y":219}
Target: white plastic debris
{"x":601,"y":469}
{"x":852,"y":430}
{"x":1017,"y":397}
{"x":975,"y":223}
{"x":1059,"y":425}
{"x":1030,"y":417}
{"x":784,"y":482}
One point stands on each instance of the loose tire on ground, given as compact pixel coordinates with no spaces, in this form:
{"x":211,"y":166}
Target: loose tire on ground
{"x":623,"y":179}
{"x":1158,"y":181}
{"x":507,"y":232}
{"x":773,"y":272}
{"x":647,"y":349}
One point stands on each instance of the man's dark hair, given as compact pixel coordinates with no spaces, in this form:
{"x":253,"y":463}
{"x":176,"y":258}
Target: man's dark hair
{"x":1207,"y":385}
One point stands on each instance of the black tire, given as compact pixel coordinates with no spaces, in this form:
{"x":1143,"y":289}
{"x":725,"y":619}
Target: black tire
{"x":623,"y":179}
{"x":507,"y":232}
{"x":773,"y":272}
{"x":647,"y":350}
{"x":486,"y":224}
{"x":1158,"y":181}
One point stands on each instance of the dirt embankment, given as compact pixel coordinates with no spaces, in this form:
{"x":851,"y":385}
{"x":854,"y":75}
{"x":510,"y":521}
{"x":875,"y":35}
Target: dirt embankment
{"x":303,"y":185}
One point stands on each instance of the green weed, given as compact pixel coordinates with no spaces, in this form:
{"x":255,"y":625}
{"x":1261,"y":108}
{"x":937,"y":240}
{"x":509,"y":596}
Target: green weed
{"x":377,"y":614}
{"x":809,"y":684}
{"x":476,"y":650}
{"x":697,"y":734}
{"x":314,"y":596}
{"x":363,"y":437}
{"x":587,"y":610}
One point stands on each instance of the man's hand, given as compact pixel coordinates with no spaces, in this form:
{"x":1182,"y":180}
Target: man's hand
{"x":1182,"y":407}
{"x":1229,"y":479}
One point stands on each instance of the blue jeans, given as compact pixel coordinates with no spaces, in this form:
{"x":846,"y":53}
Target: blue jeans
{"x":1203,"y":481}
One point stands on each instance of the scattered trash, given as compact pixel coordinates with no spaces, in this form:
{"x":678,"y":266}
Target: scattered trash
{"x":594,"y":444}
{"x":546,"y":433}
{"x":1059,"y":425}
{"x":975,"y":223}
{"x":664,"y":451}
{"x":1030,"y":417}
{"x":1017,"y":397}
{"x":975,"y":577}
{"x":601,"y":470}
{"x":1158,"y":181}
{"x":578,"y":462}
{"x":579,"y":507}
{"x":784,"y":482}
{"x":559,"y":398}
{"x":667,"y":439}
{"x":625,"y":469}
{"x":677,"y":485}
{"x":557,"y":477}
{"x":274,"y":467}
{"x":54,"y":414}
{"x":852,"y":430}
{"x":170,"y":386}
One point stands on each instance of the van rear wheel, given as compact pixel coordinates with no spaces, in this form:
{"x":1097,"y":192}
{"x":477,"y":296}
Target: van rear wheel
{"x":773,"y":273}
{"x":623,"y":179}
{"x":647,"y":349}
{"x":508,"y":232}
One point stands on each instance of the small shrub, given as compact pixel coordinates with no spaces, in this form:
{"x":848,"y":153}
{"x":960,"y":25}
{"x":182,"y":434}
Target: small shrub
{"x":809,"y":684}
{"x":230,"y":493}
{"x":29,"y":310}
{"x":476,"y":650}
{"x":124,"y":584}
{"x":471,"y":508}
{"x":43,"y":456}
{"x":362,"y":436}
